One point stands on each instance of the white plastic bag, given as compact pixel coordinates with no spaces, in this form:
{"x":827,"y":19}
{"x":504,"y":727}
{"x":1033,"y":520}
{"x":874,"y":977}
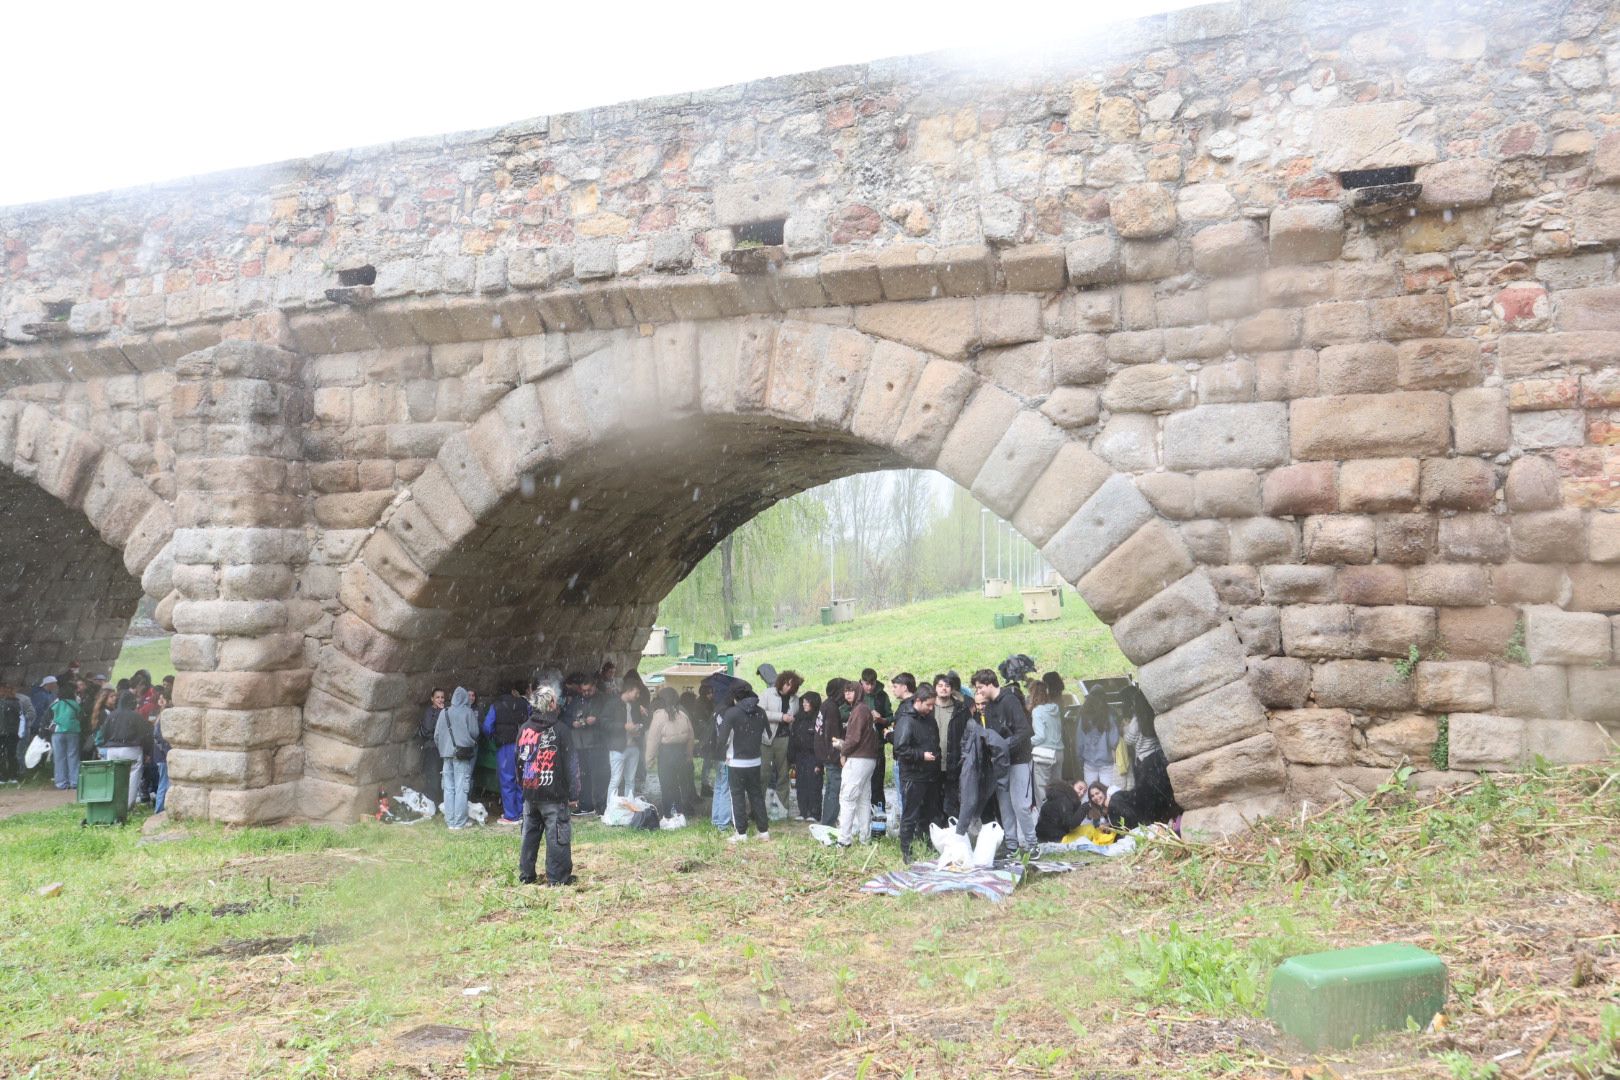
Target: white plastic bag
{"x":476,"y":812}
{"x":988,"y":843}
{"x":38,"y":751}
{"x":774,"y":810}
{"x":621,"y":810}
{"x":824,"y":834}
{"x":677,"y":820}
{"x":417,"y":802}
{"x":954,"y":851}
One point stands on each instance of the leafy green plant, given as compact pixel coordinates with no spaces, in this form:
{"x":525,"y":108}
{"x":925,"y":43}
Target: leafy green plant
{"x":1515,"y":650}
{"x":1407,"y":666}
{"x":1462,"y":1067}
{"x":1440,"y":753}
{"x":1193,"y":970}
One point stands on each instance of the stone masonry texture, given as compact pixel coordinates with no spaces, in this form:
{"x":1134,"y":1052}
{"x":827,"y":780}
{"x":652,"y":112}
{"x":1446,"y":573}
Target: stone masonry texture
{"x":466,"y":405}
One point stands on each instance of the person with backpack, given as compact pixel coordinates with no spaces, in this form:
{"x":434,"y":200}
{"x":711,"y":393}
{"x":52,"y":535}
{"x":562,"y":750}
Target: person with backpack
{"x":456,"y":735}
{"x":549,"y":782}
{"x":432,"y":764}
{"x":66,"y":724}
{"x":501,"y":724}
{"x":742,"y":733}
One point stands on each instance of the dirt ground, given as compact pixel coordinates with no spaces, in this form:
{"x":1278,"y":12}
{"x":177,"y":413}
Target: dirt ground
{"x":24,"y":799}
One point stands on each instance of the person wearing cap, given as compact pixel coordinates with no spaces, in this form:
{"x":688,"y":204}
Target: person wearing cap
{"x":66,"y":729}
{"x":43,"y":696}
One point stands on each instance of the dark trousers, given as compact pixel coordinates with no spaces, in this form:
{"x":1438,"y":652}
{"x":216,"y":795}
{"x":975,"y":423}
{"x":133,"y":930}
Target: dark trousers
{"x":432,"y":773}
{"x":748,"y":798}
{"x":675,"y":780}
{"x":951,"y":796}
{"x":9,"y":765}
{"x":594,"y":772}
{"x":548,"y":819}
{"x":831,"y":776}
{"x":920,"y":807}
{"x":878,"y":776}
{"x":809,"y":785}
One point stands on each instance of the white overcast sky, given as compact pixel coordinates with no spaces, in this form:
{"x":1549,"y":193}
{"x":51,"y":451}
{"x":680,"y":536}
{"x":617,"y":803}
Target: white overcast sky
{"x":110,"y":95}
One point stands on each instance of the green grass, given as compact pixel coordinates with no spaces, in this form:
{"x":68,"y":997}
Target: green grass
{"x":153,"y":656}
{"x":954,"y":632}
{"x":312,"y":951}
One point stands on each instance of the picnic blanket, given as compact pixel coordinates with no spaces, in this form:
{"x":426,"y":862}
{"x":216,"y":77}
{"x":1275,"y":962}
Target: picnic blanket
{"x":1124,"y":845}
{"x":994,"y":882}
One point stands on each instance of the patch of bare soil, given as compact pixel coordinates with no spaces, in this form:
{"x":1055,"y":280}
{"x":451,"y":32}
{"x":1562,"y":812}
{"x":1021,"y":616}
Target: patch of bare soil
{"x":17,"y":799}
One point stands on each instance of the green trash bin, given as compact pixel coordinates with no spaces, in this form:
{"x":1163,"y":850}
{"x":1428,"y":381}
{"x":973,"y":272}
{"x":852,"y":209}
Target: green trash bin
{"x":672,"y":644}
{"x":1332,"y":999}
{"x":104,"y":790}
{"x":1004,"y":620}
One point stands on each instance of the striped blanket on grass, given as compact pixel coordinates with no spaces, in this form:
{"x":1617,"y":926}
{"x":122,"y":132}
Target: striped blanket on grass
{"x":994,"y":882}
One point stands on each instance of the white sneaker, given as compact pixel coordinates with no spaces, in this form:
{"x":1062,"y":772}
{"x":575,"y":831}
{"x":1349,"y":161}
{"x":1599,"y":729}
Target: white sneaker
{"x":736,"y":838}
{"x":764,"y":836}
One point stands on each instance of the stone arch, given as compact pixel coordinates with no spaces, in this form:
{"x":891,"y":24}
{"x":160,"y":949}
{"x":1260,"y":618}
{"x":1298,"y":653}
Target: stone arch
{"x":72,"y":591}
{"x":648,"y":446}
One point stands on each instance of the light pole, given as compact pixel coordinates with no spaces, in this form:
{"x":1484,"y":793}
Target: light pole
{"x":983,"y":510}
{"x":832,"y":548}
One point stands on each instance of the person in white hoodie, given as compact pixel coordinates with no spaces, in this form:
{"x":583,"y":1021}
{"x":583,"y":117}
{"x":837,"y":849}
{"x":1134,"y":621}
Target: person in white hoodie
{"x":781,"y":703}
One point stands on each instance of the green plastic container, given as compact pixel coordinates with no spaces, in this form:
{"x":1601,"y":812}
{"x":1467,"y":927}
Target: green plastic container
{"x":705,"y":651}
{"x":1332,"y":999}
{"x":672,"y":644}
{"x":1010,"y":619}
{"x":826,"y":616}
{"x":104,"y":790}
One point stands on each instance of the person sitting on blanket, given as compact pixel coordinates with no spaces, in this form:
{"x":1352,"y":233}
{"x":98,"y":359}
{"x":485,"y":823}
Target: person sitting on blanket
{"x":1066,"y":808}
{"x":1119,"y":810}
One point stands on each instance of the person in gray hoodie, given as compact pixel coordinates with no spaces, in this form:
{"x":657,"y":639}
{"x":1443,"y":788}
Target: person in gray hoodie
{"x":456,"y":736}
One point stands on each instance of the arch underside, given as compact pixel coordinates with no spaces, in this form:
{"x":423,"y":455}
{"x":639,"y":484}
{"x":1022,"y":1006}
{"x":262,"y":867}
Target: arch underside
{"x":568,"y":570}
{"x":65,"y":592}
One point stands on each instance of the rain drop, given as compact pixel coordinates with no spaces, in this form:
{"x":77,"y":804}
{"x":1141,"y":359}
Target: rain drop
{"x":696,"y":491}
{"x":495,"y":320}
{"x":1446,"y":215}
{"x":573,"y":504}
{"x":526,"y":485}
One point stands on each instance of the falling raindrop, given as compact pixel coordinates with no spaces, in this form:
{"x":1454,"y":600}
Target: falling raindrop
{"x":1445,"y":215}
{"x":696,"y":491}
{"x":573,"y":579}
{"x":495,"y":320}
{"x":526,"y":485}
{"x":573,"y":504}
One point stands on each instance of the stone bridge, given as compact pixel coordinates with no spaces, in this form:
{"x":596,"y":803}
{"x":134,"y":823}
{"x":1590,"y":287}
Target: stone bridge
{"x":1289,"y":332}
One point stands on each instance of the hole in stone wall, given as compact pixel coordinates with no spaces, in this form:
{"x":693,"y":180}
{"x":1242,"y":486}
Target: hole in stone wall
{"x":1365,"y":178}
{"x":764,"y":233}
{"x":58,"y":310}
{"x":358,"y":275}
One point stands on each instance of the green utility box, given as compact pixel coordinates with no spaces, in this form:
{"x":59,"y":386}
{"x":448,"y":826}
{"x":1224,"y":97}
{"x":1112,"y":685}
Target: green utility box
{"x":672,"y":644}
{"x":1008,"y":619}
{"x":104,"y":790}
{"x":706,"y":651}
{"x":1332,"y":999}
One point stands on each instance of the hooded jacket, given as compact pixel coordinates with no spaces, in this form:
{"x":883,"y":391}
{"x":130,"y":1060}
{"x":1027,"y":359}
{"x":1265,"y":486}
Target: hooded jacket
{"x":802,"y":734}
{"x":861,"y":736}
{"x":829,"y":726}
{"x":1006,"y":716}
{"x":742,"y":731}
{"x":559,"y":777}
{"x":1061,"y":813}
{"x":457,"y":725}
{"x":916,"y":734}
{"x":125,"y":727}
{"x":984,"y":771}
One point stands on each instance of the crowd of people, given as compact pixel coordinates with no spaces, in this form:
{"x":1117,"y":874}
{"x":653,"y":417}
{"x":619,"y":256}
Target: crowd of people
{"x":86,"y":718}
{"x":1008,"y":745}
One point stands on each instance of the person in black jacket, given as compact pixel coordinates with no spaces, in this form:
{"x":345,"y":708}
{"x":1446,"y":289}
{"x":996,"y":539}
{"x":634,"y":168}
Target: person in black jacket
{"x":126,"y":736}
{"x":549,"y":782}
{"x":1004,"y":714}
{"x":742,"y":733}
{"x":509,"y":713}
{"x":830,"y":729}
{"x":432,"y":764}
{"x":580,"y":715}
{"x":951,"y":711}
{"x":919,"y":761}
{"x":802,"y":750}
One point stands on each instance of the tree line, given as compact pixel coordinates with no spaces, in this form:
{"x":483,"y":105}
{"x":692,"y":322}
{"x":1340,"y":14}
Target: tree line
{"x":880,"y":538}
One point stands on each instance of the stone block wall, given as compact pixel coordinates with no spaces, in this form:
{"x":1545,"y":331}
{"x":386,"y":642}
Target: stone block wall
{"x":1283,"y":430}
